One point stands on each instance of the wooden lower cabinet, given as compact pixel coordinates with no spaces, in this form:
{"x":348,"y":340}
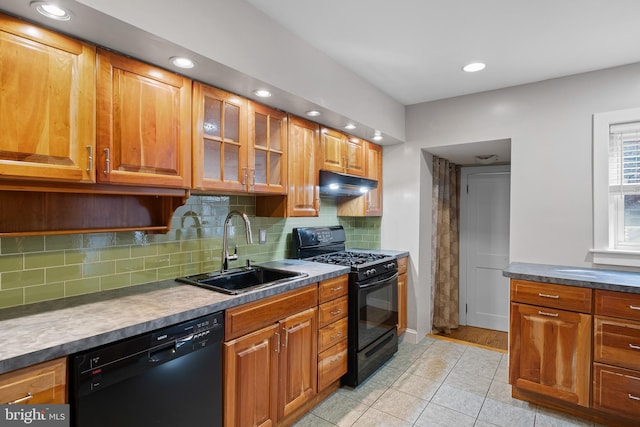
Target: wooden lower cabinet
{"x":550,"y":352}
{"x":38,"y":384}
{"x":616,"y":390}
{"x":334,"y":325}
{"x":271,"y":372}
{"x":402,"y":295}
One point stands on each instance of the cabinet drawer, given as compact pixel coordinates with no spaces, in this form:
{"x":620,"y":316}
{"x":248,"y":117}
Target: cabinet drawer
{"x":618,"y":304}
{"x":550,"y":295}
{"x":617,"y":342}
{"x":44,"y":383}
{"x":332,"y":364}
{"x":616,"y":390}
{"x":333,"y":288}
{"x":331,"y":334}
{"x":332,"y":311}
{"x":253,"y":316}
{"x":402,"y":265}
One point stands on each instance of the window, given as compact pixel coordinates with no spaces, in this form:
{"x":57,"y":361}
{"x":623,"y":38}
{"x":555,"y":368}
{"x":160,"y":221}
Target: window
{"x":616,"y":186}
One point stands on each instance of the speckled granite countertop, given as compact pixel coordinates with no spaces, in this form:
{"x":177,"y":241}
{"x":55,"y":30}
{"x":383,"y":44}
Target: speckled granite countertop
{"x":43,"y":331}
{"x":612,"y":280}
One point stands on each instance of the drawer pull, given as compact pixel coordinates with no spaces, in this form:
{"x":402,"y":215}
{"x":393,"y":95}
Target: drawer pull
{"x":339,"y":288}
{"x":22,"y":399}
{"x":540,"y":294}
{"x":338,"y":335}
{"x":634,"y":307}
{"x":631,"y":396}
{"x":634,"y":347}
{"x":544,"y":313}
{"x":335,"y":313}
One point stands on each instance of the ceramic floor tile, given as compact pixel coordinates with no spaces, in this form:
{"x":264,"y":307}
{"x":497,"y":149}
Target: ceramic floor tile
{"x":312,"y":420}
{"x":376,"y":418}
{"x":366,"y":393}
{"x":417,"y":386}
{"x":502,"y":393}
{"x":464,"y":380}
{"x":434,"y":367}
{"x":550,"y":418}
{"x":439,"y":416}
{"x":340,"y":410}
{"x":505,"y":415}
{"x":387,"y":375}
{"x":400,"y":405}
{"x":459,"y":400}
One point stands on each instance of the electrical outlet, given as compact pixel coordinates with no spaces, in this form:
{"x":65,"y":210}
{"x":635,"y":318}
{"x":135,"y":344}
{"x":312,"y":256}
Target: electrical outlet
{"x":263,"y":236}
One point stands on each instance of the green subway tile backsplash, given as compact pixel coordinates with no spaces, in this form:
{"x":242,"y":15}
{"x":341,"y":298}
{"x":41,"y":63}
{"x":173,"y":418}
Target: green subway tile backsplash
{"x":40,"y":268}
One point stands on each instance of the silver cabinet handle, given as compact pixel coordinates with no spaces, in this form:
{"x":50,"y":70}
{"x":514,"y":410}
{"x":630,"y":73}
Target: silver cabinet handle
{"x":634,"y":347}
{"x":544,"y":313}
{"x":548,"y":296}
{"x":631,"y":396}
{"x":339,"y":288}
{"x":338,"y":335}
{"x":634,"y":307}
{"x":277,"y":349}
{"x":107,"y":162}
{"x":22,"y":399}
{"x":90,"y":150}
{"x":336,"y":312}
{"x":253,"y":177}
{"x":244,"y":176}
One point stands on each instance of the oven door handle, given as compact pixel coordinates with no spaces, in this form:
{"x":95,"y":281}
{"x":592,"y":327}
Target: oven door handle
{"x":378,"y":282}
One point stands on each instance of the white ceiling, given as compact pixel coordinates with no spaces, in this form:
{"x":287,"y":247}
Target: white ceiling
{"x":414,"y":50}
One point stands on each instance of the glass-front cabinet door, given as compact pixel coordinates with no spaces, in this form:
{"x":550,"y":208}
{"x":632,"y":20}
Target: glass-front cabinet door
{"x":219,"y":140}
{"x":267,"y":150}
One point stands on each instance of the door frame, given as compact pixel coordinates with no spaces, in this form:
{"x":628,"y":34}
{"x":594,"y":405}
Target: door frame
{"x":464,"y":235}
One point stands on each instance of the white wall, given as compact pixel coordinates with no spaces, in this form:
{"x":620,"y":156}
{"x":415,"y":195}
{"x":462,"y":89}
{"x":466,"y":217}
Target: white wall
{"x":549,"y":124}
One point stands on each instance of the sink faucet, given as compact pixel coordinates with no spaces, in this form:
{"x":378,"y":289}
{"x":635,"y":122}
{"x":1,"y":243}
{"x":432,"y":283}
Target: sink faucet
{"x":225,"y":239}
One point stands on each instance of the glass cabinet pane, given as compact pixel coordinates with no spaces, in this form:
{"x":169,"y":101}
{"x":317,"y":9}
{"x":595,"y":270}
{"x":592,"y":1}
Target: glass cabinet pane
{"x":231,"y":163}
{"x":260,"y":172}
{"x":274,"y":168}
{"x":211,"y":159}
{"x":275,"y":132}
{"x":231,"y":122}
{"x":212,"y":116}
{"x":261,"y":130}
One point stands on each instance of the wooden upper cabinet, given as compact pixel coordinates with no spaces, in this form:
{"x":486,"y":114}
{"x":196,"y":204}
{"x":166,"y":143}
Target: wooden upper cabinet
{"x":144,"y":117}
{"x":369,"y":204}
{"x":341,"y":153}
{"x":303,"y":198}
{"x":267,"y":150}
{"x":47,"y":104}
{"x":220,"y":127}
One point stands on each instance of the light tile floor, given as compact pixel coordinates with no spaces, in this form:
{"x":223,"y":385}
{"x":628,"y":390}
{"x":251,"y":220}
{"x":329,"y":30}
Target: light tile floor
{"x":435,"y":383}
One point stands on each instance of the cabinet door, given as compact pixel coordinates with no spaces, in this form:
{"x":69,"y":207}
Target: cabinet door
{"x":47,"y":104}
{"x":356,"y":156}
{"x":267,"y":150}
{"x":144,"y":117}
{"x":374,"y":171}
{"x":250,"y":379}
{"x":550,"y":352}
{"x":402,"y":303}
{"x":298,"y":360}
{"x":219,"y":139}
{"x":302,"y":197}
{"x":43,"y":383}
{"x":332,"y":146}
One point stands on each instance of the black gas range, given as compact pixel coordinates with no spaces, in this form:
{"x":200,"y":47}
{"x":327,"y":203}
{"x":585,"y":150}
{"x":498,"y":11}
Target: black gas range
{"x":373,"y":296}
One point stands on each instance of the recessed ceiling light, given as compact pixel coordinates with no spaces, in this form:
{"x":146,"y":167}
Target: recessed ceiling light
{"x":51,"y":10}
{"x":350,"y":126}
{"x":474,"y":66}
{"x":182,"y":62}
{"x":377,"y":137}
{"x":262,"y":93}
{"x":312,"y":113}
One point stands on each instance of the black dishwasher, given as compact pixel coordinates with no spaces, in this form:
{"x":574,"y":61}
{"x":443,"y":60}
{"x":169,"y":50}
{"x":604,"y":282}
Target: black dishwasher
{"x":169,"y":377}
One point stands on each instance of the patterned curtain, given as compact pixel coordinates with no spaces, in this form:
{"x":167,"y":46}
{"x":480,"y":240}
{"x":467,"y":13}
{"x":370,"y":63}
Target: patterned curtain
{"x":445,"y":251}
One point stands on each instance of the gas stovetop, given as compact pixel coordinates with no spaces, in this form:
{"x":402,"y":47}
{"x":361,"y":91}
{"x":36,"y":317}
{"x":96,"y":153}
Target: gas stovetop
{"x":349,"y":258}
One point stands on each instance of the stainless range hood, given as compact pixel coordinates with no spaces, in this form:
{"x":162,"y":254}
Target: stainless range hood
{"x":339,"y":184}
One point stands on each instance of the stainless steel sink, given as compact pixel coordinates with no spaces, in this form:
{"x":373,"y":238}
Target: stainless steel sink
{"x":239,"y":280}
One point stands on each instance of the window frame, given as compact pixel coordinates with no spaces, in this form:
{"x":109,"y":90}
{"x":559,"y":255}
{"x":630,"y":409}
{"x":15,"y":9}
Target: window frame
{"x":603,"y":251}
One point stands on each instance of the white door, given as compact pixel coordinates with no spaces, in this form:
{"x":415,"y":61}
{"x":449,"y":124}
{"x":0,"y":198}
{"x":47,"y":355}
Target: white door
{"x":484,"y":251}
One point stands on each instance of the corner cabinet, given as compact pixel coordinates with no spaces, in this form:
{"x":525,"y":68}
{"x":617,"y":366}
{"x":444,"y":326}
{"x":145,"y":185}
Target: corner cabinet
{"x":143,"y":122}
{"x":47,"y":119}
{"x":44,"y":383}
{"x":220,"y":132}
{"x":550,"y":340}
{"x":402,"y":295}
